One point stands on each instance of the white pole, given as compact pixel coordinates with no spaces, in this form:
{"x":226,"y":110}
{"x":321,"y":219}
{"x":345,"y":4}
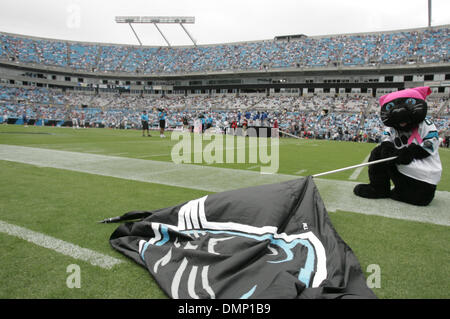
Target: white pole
{"x":355,"y":166}
{"x":349,"y":167}
{"x":429,"y":13}
{"x":286,"y":133}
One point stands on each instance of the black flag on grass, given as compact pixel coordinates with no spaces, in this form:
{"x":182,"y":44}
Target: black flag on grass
{"x":271,"y":241}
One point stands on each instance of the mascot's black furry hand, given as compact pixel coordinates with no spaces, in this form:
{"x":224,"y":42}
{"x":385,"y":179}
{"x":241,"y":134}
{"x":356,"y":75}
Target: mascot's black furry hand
{"x":407,"y":154}
{"x":388,"y":150}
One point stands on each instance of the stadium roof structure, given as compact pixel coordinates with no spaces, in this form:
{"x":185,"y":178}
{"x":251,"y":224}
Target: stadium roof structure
{"x":290,"y":37}
{"x":155,"y":21}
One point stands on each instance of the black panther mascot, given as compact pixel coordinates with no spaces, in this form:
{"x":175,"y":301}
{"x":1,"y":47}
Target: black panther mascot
{"x":414,"y":140}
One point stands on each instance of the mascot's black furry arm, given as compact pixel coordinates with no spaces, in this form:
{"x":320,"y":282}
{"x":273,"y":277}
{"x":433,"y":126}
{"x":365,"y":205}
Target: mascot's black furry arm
{"x":415,"y":141}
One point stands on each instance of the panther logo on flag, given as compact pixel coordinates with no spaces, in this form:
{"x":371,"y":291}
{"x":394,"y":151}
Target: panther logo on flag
{"x":197,"y":233}
{"x":269,"y":241}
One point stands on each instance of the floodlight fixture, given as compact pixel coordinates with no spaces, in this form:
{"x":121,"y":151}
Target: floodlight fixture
{"x":155,"y":21}
{"x":136,"y":19}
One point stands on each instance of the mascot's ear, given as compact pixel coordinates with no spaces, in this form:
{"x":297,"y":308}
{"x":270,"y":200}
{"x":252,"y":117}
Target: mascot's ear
{"x":424,"y":91}
{"x":382,"y":99}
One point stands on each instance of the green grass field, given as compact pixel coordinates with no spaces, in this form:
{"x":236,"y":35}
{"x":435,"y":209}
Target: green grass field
{"x":64,"y":204}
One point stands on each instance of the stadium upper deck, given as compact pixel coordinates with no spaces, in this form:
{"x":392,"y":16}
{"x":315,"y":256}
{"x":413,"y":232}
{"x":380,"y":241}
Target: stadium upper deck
{"x":424,"y":46}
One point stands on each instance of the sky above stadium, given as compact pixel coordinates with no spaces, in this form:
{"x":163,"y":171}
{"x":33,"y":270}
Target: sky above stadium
{"x":215,"y":21}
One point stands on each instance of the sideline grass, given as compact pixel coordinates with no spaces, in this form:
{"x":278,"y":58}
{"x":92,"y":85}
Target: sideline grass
{"x":67,"y":205}
{"x":413,"y":256}
{"x":308,"y":156}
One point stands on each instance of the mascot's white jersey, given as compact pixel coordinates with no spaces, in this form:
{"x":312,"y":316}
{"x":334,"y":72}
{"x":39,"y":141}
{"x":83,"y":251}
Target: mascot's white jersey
{"x":428,"y":169}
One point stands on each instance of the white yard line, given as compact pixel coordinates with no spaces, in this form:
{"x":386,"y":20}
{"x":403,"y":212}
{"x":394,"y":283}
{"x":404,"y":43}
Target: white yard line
{"x":60,"y":246}
{"x":337,"y":195}
{"x":206,"y":178}
{"x":358,"y":170}
{"x":190,"y":153}
{"x":119,"y":154}
{"x":153,"y":155}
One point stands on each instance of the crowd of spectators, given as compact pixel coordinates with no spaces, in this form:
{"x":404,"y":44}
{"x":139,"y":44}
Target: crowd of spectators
{"x":420,"y":46}
{"x":350,"y":118}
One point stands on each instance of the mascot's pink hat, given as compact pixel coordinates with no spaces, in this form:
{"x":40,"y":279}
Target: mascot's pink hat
{"x":418,"y":93}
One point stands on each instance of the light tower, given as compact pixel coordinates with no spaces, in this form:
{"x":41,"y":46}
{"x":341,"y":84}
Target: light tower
{"x":158,"y":20}
{"x":429,"y":13}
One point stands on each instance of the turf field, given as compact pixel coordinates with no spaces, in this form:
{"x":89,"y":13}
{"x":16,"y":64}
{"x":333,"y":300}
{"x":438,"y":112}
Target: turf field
{"x":59,"y":209}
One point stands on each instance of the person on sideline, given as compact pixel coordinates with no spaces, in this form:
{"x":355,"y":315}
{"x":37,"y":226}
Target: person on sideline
{"x":162,"y":122}
{"x":144,"y":121}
